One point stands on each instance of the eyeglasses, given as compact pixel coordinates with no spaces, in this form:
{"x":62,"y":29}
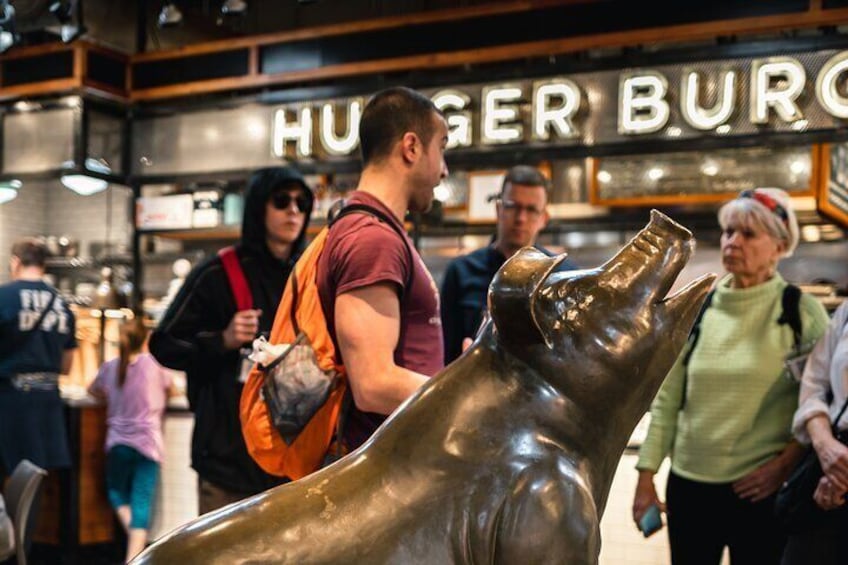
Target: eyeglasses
{"x":282,"y":200}
{"x":767,"y":201}
{"x":514,"y":208}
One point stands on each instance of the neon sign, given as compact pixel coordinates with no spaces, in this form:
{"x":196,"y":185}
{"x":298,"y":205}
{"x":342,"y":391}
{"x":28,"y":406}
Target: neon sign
{"x":575,"y":109}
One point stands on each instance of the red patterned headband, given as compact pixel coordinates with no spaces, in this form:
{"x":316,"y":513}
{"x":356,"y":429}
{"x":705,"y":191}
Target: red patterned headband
{"x":770,"y":203}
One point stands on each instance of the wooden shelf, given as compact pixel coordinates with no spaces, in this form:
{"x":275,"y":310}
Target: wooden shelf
{"x":216,"y":233}
{"x":87,"y":262}
{"x":192,"y":255}
{"x":197,"y":234}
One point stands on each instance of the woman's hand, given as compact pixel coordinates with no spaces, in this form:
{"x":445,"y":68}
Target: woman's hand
{"x":832,"y":454}
{"x":828,"y":496}
{"x":766,"y":479}
{"x":645,"y":497}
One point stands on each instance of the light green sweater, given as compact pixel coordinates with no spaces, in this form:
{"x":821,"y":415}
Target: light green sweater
{"x":739,"y":404}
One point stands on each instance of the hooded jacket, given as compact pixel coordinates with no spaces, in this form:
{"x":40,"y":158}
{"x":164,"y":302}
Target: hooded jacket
{"x":190,"y":338}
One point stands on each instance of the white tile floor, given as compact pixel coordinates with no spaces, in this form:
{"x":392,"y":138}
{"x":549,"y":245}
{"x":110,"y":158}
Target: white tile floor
{"x":621,"y":542}
{"x":176,"y":500}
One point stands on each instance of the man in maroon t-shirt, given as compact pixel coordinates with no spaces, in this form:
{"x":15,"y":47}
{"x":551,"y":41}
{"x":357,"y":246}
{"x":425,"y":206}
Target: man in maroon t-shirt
{"x":385,"y":321}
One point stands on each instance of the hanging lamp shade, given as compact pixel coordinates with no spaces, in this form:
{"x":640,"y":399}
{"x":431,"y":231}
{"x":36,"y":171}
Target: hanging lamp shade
{"x":86,"y":185}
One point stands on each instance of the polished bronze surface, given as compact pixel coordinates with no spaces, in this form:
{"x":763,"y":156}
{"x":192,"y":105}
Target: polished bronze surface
{"x":508,"y":454}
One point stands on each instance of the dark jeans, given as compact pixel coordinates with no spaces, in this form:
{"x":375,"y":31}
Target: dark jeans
{"x":705,"y":518}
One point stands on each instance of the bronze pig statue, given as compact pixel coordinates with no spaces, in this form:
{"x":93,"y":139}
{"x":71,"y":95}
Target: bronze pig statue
{"x":507,"y":455}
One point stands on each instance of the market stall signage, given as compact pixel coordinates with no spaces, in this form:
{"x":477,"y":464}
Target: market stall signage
{"x":719,"y":98}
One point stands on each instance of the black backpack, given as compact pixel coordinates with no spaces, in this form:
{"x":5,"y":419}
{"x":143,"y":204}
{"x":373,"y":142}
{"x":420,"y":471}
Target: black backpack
{"x":791,"y":315}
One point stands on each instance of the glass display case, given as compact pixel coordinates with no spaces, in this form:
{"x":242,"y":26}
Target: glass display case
{"x":701,"y":176}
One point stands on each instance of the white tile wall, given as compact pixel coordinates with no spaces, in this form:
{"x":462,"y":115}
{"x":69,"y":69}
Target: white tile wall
{"x":48,"y":208}
{"x":85,"y":217}
{"x":23,"y":216}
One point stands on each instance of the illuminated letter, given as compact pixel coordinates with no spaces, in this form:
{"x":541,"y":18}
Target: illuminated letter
{"x":494,"y":114}
{"x":707,"y":118}
{"x":834,"y":103}
{"x":453,"y":103}
{"x":641,"y":103}
{"x":346,"y":144}
{"x":288,"y":131}
{"x":558,"y":116}
{"x":782,"y":96}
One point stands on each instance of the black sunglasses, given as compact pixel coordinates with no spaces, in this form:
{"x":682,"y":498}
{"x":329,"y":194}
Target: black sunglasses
{"x":282,"y":200}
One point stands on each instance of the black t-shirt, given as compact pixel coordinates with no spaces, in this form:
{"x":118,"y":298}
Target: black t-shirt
{"x":21,"y":304}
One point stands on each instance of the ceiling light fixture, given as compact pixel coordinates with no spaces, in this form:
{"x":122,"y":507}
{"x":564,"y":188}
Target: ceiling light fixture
{"x":86,"y":185}
{"x":62,"y":10}
{"x":8,"y":35}
{"x":656,"y":173}
{"x":69,"y":15}
{"x":709,"y":168}
{"x":233,"y":7}
{"x":9,"y":190}
{"x":798,"y":166}
{"x":170,"y":15}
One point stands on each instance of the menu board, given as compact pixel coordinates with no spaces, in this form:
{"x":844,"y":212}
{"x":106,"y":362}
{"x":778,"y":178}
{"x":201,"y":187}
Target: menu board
{"x":833,"y":196}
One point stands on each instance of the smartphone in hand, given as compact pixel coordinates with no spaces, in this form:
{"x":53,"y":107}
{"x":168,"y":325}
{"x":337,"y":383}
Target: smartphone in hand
{"x":651,"y":522}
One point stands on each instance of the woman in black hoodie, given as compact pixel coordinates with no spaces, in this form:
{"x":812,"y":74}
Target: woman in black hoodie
{"x":202,"y":332}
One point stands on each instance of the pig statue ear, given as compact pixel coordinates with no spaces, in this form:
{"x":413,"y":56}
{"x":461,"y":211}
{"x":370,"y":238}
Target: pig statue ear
{"x":513,"y":293}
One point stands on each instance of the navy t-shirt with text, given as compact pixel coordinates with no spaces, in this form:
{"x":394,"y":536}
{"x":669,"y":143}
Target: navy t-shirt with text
{"x":21,"y":304}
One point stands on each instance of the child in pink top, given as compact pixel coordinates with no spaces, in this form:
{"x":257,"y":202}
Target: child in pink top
{"x":135,"y":388}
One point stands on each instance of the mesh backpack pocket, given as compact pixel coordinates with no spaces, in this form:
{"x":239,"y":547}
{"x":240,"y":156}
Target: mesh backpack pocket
{"x":295,"y":387}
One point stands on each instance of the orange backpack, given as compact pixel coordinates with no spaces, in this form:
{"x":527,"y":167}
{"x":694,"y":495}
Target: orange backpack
{"x":299,"y":315}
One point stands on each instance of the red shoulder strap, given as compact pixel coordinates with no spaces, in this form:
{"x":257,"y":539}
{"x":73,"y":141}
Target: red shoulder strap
{"x":235,"y":274}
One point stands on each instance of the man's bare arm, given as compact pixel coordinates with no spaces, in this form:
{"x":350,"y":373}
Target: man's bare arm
{"x":368,"y":328}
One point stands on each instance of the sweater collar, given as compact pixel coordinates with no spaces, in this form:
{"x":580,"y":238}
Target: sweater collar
{"x":732,"y":296}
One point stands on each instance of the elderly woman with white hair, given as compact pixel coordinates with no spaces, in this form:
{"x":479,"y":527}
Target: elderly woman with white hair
{"x":823,"y":408}
{"x":724,"y":413}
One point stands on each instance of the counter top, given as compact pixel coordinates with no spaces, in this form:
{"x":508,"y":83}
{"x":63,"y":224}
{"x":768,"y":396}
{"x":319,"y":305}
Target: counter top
{"x":77,"y":396}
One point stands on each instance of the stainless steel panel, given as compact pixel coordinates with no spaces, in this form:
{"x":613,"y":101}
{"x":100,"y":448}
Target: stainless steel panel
{"x":38,"y":141}
{"x":214,"y":140}
{"x":105,"y":139}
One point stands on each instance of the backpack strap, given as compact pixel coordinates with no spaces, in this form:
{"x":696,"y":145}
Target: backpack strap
{"x":834,"y":426}
{"x":338,"y":211}
{"x":696,"y":327}
{"x":791,"y":314}
{"x":693,"y":340}
{"x":235,"y":276}
{"x":349,"y":209}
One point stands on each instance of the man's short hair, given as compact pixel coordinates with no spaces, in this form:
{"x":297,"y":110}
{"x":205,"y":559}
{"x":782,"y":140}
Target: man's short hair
{"x":31,"y":251}
{"x":524,"y":175}
{"x":389,"y":115}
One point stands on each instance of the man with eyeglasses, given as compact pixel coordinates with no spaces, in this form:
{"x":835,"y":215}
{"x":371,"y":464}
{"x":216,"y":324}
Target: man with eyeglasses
{"x":521,"y":215}
{"x":204,"y":334}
